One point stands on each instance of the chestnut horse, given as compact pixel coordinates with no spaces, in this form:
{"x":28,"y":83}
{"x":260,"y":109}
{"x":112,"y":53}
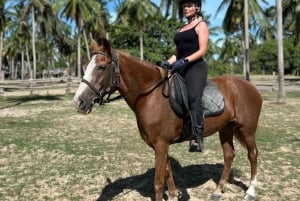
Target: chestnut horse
{"x":140,"y":84}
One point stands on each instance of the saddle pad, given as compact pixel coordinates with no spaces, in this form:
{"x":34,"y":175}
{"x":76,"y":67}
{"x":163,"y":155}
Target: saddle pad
{"x":212,"y":100}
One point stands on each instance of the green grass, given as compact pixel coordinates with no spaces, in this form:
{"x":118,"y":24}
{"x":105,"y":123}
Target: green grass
{"x":48,"y":151}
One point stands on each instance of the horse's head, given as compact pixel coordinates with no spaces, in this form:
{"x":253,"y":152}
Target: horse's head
{"x":101,"y":78}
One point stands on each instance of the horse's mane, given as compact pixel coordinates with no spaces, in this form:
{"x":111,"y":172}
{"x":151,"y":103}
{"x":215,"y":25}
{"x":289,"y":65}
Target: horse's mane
{"x":143,"y":62}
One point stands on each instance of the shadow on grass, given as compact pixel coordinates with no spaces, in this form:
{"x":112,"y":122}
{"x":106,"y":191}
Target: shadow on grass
{"x":17,"y":100}
{"x":190,"y":176}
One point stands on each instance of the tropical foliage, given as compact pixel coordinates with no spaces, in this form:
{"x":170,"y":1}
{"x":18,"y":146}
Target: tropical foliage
{"x":39,"y":36}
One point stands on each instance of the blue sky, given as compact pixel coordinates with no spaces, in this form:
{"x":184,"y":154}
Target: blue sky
{"x":210,"y":7}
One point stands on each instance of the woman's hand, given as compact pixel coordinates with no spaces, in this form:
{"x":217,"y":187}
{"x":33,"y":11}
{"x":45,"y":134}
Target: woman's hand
{"x":179,"y":65}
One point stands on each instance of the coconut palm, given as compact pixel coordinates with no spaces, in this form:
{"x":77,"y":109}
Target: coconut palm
{"x":20,"y":34}
{"x":267,"y":28}
{"x":2,"y":18}
{"x":4,"y":13}
{"x":169,"y":5}
{"x":78,"y":10}
{"x":171,"y":8}
{"x":291,"y":18}
{"x":281,"y":90}
{"x":234,"y":21}
{"x":246,"y":61}
{"x":22,"y":37}
{"x":35,"y":8}
{"x":47,"y":29}
{"x":96,"y":25}
{"x":135,"y":13}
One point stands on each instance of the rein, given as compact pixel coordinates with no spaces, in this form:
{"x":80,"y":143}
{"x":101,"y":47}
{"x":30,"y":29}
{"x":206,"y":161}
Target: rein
{"x":113,"y":85}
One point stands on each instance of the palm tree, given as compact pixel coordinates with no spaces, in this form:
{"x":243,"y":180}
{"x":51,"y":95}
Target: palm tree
{"x":20,"y":35}
{"x":3,"y":17}
{"x":246,"y":61}
{"x":267,"y":28}
{"x":78,"y":10}
{"x":169,"y":5}
{"x":103,"y":19}
{"x":47,"y":25}
{"x":281,"y":90}
{"x":135,"y":13}
{"x":234,"y":21}
{"x":96,"y":25}
{"x":230,"y":49}
{"x":35,"y":7}
{"x":12,"y":49}
{"x":291,"y":18}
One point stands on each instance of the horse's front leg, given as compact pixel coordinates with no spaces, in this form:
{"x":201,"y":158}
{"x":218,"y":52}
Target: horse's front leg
{"x":170,"y":181}
{"x":162,"y":171}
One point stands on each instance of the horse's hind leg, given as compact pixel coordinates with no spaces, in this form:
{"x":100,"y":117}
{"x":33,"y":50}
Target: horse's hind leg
{"x":250,"y":143}
{"x":226,"y":139}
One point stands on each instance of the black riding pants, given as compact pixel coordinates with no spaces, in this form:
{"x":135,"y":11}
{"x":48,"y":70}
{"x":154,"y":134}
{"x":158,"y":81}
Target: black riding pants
{"x":196,"y":77}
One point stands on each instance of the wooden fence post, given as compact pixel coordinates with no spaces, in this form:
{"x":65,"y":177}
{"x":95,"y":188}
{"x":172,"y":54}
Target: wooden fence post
{"x":31,"y":81}
{"x":1,"y":80}
{"x":69,"y":83}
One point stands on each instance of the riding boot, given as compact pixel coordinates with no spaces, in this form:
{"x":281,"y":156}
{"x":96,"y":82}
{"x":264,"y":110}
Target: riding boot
{"x":197,"y":117}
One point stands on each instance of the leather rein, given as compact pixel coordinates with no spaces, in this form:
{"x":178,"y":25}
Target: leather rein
{"x":113,"y":84}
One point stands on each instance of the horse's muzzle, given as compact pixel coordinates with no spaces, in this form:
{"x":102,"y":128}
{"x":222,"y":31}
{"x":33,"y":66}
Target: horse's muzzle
{"x":82,"y":105}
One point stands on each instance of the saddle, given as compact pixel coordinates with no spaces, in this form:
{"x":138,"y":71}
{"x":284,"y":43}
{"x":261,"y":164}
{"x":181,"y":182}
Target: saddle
{"x":212,"y":100}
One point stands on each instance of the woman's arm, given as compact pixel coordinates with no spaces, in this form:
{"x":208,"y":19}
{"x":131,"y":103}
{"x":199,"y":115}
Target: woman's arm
{"x":172,"y":59}
{"x":203,"y":35}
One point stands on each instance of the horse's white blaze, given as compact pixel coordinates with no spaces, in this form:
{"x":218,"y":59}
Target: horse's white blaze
{"x":89,"y":69}
{"x":87,"y":76}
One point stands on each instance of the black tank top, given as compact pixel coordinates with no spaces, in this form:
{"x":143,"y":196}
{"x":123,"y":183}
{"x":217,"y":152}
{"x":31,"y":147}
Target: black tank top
{"x":186,"y":42}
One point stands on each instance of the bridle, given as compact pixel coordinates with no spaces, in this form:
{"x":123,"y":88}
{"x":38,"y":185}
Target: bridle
{"x":113,"y":84}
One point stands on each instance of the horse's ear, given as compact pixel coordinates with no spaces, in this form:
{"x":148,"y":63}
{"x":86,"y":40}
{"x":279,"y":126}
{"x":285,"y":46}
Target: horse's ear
{"x":106,"y":45}
{"x":94,"y":45}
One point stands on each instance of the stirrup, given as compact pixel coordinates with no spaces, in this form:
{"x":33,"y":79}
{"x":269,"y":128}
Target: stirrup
{"x":197,"y":145}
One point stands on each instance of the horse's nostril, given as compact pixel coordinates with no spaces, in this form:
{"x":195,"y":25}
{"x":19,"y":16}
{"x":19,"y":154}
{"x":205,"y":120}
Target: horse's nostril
{"x":81,"y":104}
{"x":78,"y":103}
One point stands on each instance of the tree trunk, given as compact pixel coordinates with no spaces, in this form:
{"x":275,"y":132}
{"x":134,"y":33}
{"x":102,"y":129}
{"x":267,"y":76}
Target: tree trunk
{"x":141,"y":46}
{"x":13,"y":70}
{"x":86,"y":45}
{"x":281,"y":90}
{"x":33,"y":44}
{"x":246,"y":40}
{"x":78,"y":55}
{"x":1,"y":49}
{"x":297,"y":42}
{"x":22,"y":64}
{"x":28,"y":61}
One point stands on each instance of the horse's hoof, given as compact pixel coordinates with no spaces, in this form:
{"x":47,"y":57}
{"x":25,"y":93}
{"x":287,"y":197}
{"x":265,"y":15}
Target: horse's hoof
{"x":173,"y":199}
{"x":215,"y":197}
{"x":249,"y":197}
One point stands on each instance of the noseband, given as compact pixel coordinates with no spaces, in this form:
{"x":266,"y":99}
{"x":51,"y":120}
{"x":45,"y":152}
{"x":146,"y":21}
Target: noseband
{"x":113,"y":84}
